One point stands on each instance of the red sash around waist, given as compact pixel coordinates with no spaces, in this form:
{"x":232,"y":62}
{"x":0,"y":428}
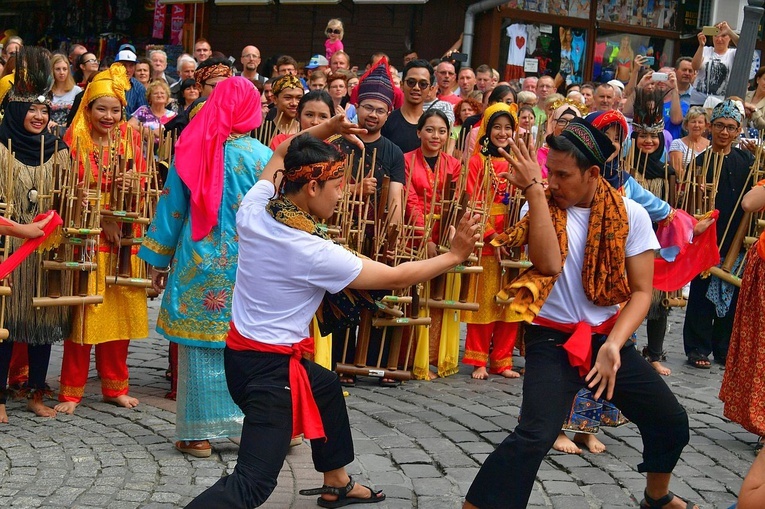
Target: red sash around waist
{"x":579,"y":345}
{"x":305,"y":414}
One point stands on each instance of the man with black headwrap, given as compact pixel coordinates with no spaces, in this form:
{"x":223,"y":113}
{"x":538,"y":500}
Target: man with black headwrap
{"x":592,"y":249}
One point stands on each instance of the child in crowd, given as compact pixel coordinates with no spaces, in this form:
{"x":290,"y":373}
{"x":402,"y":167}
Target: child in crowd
{"x":334,"y":40}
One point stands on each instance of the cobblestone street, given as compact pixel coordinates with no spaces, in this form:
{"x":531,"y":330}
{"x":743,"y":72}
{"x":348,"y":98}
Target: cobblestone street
{"x":422,"y":443}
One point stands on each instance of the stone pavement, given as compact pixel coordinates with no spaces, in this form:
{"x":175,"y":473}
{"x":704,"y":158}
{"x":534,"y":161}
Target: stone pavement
{"x":422,"y":443}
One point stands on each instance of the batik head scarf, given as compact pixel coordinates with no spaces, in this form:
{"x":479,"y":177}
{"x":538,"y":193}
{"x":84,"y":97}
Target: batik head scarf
{"x":285,"y":82}
{"x":233,"y":107}
{"x":212,"y":69}
{"x":728,"y":109}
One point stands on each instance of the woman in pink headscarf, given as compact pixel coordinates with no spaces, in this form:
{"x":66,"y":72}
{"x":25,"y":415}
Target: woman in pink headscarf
{"x":192,"y":247}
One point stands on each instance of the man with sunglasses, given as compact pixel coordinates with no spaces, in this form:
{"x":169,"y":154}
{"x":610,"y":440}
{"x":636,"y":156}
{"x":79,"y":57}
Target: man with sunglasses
{"x":711,"y":308}
{"x":401,"y":127}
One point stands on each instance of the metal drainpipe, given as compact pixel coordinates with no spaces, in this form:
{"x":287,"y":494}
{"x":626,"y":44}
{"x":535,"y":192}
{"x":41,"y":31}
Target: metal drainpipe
{"x":467,"y":37}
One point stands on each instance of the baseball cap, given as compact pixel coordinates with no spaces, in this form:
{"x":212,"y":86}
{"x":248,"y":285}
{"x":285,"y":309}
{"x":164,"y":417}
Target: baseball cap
{"x":126,"y":56}
{"x":317,"y":61}
{"x":617,"y":84}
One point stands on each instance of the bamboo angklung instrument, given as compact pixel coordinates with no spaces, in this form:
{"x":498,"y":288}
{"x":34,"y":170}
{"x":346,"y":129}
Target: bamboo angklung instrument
{"x":67,"y":267}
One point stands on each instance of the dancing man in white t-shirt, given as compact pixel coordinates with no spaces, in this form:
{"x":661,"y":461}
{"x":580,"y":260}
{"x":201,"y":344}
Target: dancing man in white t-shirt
{"x":280,"y":393}
{"x":576,"y":334}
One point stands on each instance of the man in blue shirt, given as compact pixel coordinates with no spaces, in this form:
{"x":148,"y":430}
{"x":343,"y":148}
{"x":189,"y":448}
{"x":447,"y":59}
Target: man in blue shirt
{"x":136,"y":96}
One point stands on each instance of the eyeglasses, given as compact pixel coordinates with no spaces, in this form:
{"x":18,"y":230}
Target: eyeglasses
{"x":336,"y":31}
{"x":251,"y":55}
{"x":411,"y":83}
{"x":91,"y":61}
{"x":562,"y":122}
{"x":717,"y":126}
{"x":371,"y":109}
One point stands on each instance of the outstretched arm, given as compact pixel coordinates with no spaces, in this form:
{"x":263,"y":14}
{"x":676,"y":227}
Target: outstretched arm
{"x":335,"y":125}
{"x":378,"y":276}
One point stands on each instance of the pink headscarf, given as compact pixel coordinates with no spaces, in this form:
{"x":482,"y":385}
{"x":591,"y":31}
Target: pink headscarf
{"x":233,"y":107}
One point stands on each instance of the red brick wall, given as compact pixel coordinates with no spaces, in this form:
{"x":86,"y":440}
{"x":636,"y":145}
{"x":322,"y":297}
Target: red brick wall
{"x":299,"y":30}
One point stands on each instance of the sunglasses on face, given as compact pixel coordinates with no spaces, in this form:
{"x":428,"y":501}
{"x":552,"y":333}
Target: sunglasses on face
{"x":335,"y":31}
{"x":411,"y":83}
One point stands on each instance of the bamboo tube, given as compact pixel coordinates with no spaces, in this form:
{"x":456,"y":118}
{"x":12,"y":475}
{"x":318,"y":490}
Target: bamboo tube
{"x":42,"y":302}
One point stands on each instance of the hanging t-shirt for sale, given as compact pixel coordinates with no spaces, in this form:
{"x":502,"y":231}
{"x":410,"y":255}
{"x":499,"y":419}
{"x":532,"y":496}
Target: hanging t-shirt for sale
{"x":517,"y":50}
{"x":531,"y":40}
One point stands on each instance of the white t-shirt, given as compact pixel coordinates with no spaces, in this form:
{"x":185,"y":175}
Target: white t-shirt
{"x":567,"y":302}
{"x":283,"y":273}
{"x":517,"y":50}
{"x":714,"y":74}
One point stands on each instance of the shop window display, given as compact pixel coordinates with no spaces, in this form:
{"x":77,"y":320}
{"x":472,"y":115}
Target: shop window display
{"x":539,"y":49}
{"x":571,"y":8}
{"x":614,"y":53}
{"x":661,"y":14}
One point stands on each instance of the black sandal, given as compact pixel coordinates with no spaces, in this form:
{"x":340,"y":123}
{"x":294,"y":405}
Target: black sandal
{"x":758,"y":446}
{"x":342,"y":495}
{"x":699,"y":361}
{"x":650,"y":503}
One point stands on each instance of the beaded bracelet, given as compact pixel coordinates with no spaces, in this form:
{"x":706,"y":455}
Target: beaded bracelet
{"x":533,"y":181}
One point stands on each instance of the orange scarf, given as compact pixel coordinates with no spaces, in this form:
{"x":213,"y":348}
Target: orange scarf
{"x":604,"y":275}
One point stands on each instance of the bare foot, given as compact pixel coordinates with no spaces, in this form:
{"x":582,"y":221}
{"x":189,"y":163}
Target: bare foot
{"x":660,"y":369}
{"x":432,"y":375}
{"x":591,"y":442}
{"x":564,"y":444}
{"x":480,"y":374}
{"x":357,"y":492}
{"x":509,"y":373}
{"x":3,"y":415}
{"x":39,"y":409}
{"x":124,"y":401}
{"x":66,"y":406}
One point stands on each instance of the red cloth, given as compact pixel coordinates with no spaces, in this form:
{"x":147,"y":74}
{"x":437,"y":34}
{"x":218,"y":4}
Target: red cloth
{"x":306,"y":418}
{"x":579,"y":345}
{"x":29,"y":246}
{"x":111,"y":365}
{"x":421,"y":180}
{"x":233,"y":107}
{"x":693,"y":258}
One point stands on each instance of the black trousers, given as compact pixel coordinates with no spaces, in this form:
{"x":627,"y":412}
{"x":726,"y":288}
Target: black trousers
{"x":38,"y":356}
{"x":507,"y":476}
{"x":703,"y":331}
{"x":259,"y":384}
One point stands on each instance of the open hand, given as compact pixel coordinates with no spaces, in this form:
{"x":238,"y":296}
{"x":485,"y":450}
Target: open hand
{"x":603,"y":373}
{"x":462,"y":239}
{"x":341,"y":125}
{"x":524,"y":167}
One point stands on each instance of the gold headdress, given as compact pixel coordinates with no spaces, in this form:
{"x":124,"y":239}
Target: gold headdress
{"x":581,"y":108}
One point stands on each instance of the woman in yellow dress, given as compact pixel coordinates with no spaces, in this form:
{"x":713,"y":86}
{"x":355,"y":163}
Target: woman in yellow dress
{"x":99,"y":133}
